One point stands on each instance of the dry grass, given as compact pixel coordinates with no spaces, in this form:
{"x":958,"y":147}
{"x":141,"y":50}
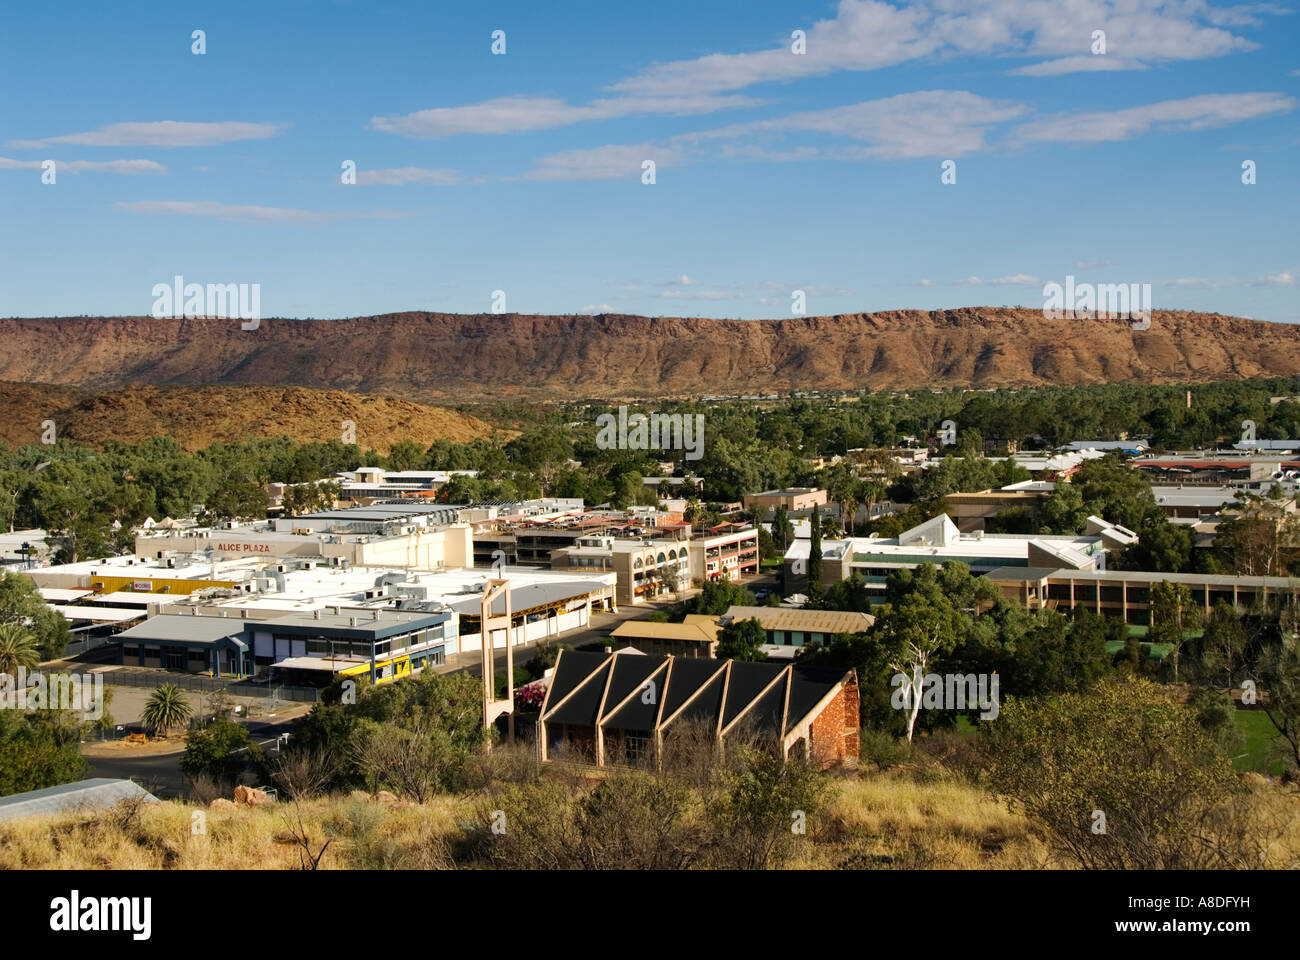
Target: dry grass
{"x":891,"y":819}
{"x":160,"y":836}
{"x":895,"y":819}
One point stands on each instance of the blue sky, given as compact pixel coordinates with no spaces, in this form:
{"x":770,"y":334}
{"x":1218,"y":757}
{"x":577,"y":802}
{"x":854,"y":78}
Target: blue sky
{"x":775,"y":171}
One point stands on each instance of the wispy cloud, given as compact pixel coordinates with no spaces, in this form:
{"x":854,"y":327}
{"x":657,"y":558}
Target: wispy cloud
{"x":1193,"y":113}
{"x":1273,"y":280}
{"x":1196,"y":283}
{"x":869,"y":35}
{"x":127,"y":167}
{"x":520,"y":114}
{"x":245,"y":213}
{"x":610,"y":162}
{"x":1015,"y":280}
{"x":928,"y":123}
{"x":1081,"y":64}
{"x":400,"y":176}
{"x":161,"y":133}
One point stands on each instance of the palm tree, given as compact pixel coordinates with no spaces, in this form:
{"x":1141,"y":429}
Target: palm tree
{"x":18,"y":648}
{"x":167,"y":707}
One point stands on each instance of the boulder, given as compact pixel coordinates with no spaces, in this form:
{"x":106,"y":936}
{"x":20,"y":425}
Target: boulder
{"x":221,"y":803}
{"x":251,"y":796}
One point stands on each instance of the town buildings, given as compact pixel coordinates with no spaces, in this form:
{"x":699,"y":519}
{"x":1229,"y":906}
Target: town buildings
{"x":628,"y":708}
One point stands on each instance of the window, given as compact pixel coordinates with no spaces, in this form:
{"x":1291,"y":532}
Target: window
{"x":637,"y":748}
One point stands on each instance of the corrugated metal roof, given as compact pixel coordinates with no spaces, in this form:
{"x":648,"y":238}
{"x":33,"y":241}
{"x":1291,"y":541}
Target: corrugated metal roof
{"x":99,"y":793}
{"x":815,"y":621}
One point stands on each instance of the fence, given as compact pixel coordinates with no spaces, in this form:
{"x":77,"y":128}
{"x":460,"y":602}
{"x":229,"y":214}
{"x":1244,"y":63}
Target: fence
{"x":201,"y":684}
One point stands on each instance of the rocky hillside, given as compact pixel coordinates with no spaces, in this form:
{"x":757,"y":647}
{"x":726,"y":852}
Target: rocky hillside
{"x":446,"y":356}
{"x":200,"y":416}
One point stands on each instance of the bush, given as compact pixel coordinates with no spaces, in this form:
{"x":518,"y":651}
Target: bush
{"x":882,"y":748}
{"x":211,"y":752}
{"x":38,"y":750}
{"x":1126,"y":751}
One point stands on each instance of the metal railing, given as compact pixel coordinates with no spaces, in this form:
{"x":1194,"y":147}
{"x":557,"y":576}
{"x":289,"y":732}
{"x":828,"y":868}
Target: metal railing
{"x":236,"y":687}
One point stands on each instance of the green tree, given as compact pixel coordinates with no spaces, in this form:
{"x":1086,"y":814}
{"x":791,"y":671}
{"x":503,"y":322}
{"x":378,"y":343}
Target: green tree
{"x":1173,"y":613}
{"x":1223,"y":646}
{"x":37,"y":750}
{"x":21,"y":604}
{"x":742,"y":640}
{"x":815,"y":557}
{"x":166,"y":709}
{"x":717,"y":596}
{"x":18,"y":648}
{"x":219,"y":751}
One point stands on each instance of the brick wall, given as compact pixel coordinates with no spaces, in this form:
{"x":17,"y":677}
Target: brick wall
{"x":835,"y":729}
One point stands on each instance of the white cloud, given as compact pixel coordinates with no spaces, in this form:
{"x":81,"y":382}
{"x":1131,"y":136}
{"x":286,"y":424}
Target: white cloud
{"x":595,"y":308}
{"x":610,"y":162}
{"x":1274,"y":280}
{"x":925,"y":283}
{"x":247,"y":213}
{"x":1079,"y":64}
{"x":520,"y":114}
{"x":162,"y":133}
{"x":1197,"y":283}
{"x":682,"y":281}
{"x":1015,"y":280}
{"x":928,"y":123}
{"x":400,"y":176}
{"x":868,"y":35}
{"x":1193,"y":113}
{"x":970,"y":282}
{"x":127,"y":167}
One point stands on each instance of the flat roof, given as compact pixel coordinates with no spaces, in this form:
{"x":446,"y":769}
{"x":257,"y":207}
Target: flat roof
{"x":528,"y":596}
{"x":791,"y":618}
{"x":1138,"y":576}
{"x":331,"y":664}
{"x":59,"y":595}
{"x":696,"y":627}
{"x":97,"y":614}
{"x":373,"y":622}
{"x":190,"y":630}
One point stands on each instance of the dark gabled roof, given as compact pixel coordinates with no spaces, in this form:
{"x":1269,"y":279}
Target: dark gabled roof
{"x":578,"y":665}
{"x":587,"y":690}
{"x":761,"y":696}
{"x":747,"y":680}
{"x":808,"y":685}
{"x":687,"y":677}
{"x":630,"y":675}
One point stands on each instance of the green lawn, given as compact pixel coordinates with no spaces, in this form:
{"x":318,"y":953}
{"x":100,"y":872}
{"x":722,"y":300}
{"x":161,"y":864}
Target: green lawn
{"x":1262,"y":744}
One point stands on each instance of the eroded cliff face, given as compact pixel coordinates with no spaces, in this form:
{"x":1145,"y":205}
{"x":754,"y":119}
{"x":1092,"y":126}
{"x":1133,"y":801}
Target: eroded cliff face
{"x":475,"y":357}
{"x":199,"y":416}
